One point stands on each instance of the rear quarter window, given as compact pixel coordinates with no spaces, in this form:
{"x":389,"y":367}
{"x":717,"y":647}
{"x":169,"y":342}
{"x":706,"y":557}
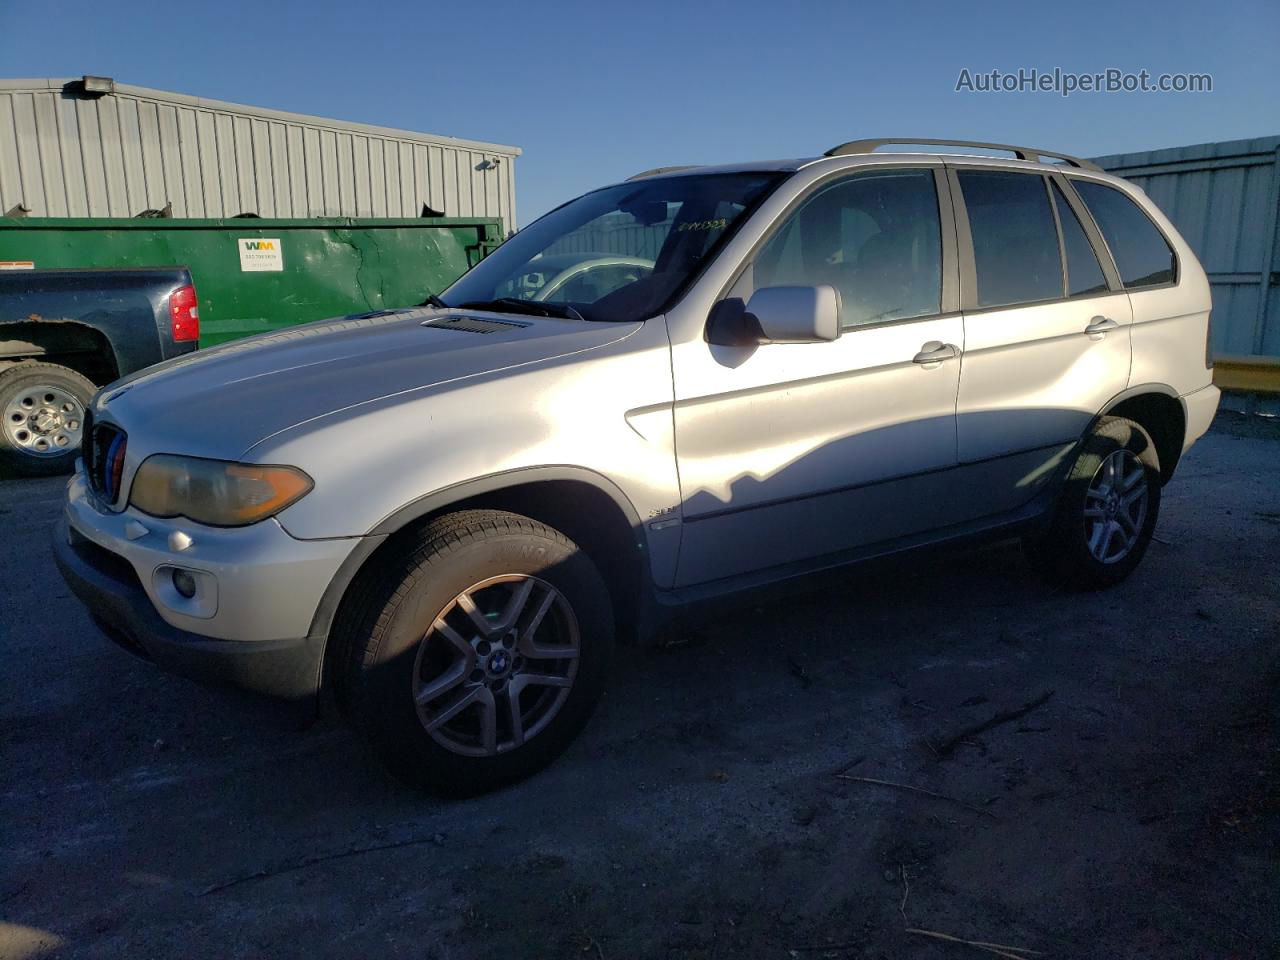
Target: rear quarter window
{"x":1143,"y":256}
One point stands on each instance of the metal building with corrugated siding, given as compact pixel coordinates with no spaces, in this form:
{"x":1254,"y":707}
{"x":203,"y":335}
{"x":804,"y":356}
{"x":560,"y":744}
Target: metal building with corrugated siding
{"x":91,"y":147}
{"x":1224,"y":198}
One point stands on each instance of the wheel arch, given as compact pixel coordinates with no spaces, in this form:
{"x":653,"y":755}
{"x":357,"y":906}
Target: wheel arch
{"x":583,"y":505}
{"x":1161,"y":412}
{"x":68,"y":343}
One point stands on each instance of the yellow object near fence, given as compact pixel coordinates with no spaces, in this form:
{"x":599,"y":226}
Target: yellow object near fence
{"x":1252,"y":374}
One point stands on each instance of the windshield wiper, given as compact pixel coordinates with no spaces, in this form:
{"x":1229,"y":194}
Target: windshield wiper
{"x":434,"y":301}
{"x":537,"y":308}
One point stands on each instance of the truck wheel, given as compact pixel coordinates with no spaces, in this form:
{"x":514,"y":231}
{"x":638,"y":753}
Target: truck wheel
{"x":43,"y":408}
{"x":1106,"y":512}
{"x":475,"y":651}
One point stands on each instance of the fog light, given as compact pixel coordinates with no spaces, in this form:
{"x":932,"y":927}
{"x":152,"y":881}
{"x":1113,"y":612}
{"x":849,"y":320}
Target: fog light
{"x":184,"y":583}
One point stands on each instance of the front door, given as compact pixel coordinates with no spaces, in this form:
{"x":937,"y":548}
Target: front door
{"x":787,"y":452}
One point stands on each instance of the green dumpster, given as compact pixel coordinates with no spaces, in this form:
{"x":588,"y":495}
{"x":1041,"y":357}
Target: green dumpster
{"x":253,"y":275}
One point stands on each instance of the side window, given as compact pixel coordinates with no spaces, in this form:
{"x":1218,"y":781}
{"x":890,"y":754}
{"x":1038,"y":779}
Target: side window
{"x":1015,"y":242}
{"x":1084,"y":274}
{"x":875,"y":237}
{"x":1143,"y":256}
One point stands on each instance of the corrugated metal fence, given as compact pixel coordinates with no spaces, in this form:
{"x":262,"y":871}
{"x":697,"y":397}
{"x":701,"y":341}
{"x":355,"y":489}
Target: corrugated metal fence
{"x":1224,"y":198}
{"x":65,"y":153}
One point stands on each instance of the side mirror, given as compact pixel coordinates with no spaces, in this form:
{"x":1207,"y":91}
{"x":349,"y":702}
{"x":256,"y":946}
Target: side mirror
{"x":795,"y":314}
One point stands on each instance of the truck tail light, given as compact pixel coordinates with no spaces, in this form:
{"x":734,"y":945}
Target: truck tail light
{"x":184,"y":314}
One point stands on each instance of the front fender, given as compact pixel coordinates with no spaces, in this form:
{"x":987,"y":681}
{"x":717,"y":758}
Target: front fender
{"x":439,"y":499}
{"x":602,"y":417}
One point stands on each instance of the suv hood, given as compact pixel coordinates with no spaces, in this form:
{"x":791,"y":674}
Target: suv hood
{"x":220,"y":402}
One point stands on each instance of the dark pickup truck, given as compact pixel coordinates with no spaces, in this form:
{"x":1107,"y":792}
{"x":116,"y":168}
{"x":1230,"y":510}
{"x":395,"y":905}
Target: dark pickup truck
{"x":64,"y":333}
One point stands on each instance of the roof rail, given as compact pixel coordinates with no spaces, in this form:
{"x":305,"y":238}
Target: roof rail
{"x":1022,"y":153}
{"x":657,"y":170}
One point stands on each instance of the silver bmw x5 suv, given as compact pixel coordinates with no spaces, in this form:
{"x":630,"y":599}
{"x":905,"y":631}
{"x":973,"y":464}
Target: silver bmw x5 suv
{"x":689,"y":384}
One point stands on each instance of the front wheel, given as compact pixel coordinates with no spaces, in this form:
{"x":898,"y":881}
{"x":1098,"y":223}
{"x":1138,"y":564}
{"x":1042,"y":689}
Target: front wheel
{"x":476,"y":651}
{"x":1107,"y":510}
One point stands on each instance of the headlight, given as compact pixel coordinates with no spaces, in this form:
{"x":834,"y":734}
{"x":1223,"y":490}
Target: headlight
{"x":216,"y":492}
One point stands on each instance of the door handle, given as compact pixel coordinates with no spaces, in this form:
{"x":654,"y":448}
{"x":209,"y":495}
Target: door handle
{"x":934,"y":352}
{"x":1098,"y":327}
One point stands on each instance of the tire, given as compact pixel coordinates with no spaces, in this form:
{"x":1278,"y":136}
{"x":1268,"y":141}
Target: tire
{"x":1096,"y":541}
{"x":406,"y":630}
{"x":42,"y":408}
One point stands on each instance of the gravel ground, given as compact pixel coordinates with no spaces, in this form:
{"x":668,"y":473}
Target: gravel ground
{"x":710,"y":809}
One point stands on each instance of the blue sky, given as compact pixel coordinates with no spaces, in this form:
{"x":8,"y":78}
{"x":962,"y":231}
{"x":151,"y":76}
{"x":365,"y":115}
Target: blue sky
{"x":595,"y":91}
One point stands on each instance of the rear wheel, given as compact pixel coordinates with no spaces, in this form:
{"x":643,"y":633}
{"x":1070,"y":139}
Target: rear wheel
{"x":1107,"y":511}
{"x":476,"y":651}
{"x":42,"y":406}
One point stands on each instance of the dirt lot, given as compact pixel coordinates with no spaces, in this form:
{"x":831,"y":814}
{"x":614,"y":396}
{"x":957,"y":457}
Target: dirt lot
{"x":1132,"y":813}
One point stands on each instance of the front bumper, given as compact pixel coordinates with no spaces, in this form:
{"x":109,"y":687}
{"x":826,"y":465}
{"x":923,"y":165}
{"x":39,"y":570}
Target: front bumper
{"x":289,"y":669}
{"x":250,"y":624}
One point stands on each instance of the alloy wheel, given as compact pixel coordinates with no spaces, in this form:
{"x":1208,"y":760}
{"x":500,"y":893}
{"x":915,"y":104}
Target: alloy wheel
{"x":496,"y":666}
{"x":1115,"y":507}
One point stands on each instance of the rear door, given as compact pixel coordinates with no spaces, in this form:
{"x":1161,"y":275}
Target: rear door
{"x":1046,"y":329}
{"x":1170,"y":299}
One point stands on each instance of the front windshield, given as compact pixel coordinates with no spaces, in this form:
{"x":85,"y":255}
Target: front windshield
{"x":620,"y":253}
